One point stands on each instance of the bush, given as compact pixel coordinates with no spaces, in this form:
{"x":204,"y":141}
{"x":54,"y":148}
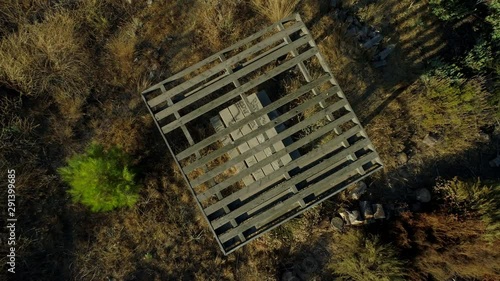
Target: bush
{"x":100,"y":179}
{"x":275,"y":10}
{"x":448,"y":10}
{"x":452,"y":106}
{"x":363,"y":258}
{"x":443,"y":246}
{"x":480,"y":58}
{"x":473,"y":198}
{"x":494,"y":19}
{"x":46,"y":58}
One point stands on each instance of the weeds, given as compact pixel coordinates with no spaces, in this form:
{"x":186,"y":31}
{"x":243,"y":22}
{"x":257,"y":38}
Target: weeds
{"x":365,"y":259}
{"x":474,"y":199}
{"x":46,"y":57}
{"x":444,"y":246}
{"x":57,"y":53}
{"x":275,"y":10}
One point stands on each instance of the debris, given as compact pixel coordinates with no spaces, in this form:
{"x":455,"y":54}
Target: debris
{"x":337,"y":224}
{"x":372,"y":42}
{"x":354,"y":217}
{"x":382,"y":55}
{"x":430,"y":140}
{"x":359,"y":189}
{"x":378,"y":211}
{"x":366,"y":209}
{"x":345,"y":217}
{"x":402,"y":158}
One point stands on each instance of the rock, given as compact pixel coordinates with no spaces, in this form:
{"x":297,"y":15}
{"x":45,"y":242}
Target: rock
{"x":354,"y":217}
{"x":359,"y":189}
{"x":382,"y":55}
{"x":402,"y":158}
{"x":430,"y":140}
{"x":372,"y":42}
{"x":380,"y":63}
{"x":345,"y":217}
{"x":337,"y":224}
{"x":483,"y":137}
{"x":423,"y":195}
{"x":378,"y":211}
{"x":366,"y":209}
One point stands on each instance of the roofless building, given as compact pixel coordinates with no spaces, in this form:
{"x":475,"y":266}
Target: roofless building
{"x":261,"y":132}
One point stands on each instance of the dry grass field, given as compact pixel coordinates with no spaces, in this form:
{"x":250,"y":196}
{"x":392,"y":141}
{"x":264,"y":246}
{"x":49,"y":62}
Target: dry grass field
{"x":71,"y":73}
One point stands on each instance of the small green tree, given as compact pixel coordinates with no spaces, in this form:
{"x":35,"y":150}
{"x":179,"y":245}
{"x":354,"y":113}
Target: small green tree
{"x":365,"y":258}
{"x":100,"y":179}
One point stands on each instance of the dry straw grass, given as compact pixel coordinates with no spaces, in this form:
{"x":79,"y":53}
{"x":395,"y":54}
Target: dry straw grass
{"x":121,"y":52}
{"x":45,"y":56}
{"x":47,"y":59}
{"x":219,"y":19}
{"x":275,"y":10}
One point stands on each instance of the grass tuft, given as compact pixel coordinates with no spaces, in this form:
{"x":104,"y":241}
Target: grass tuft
{"x":275,"y":10}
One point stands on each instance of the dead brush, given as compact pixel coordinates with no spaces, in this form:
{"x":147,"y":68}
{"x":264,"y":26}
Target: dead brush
{"x":121,"y":52}
{"x":44,"y":57}
{"x":219,"y":20}
{"x":275,"y":10}
{"x":128,"y":133}
{"x":17,"y":13}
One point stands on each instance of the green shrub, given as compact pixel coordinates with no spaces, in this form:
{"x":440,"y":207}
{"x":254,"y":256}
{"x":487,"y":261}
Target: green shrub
{"x":452,"y":106}
{"x":100,"y":179}
{"x":494,"y":19}
{"x":480,"y":58}
{"x":448,"y":10}
{"x":363,"y":258}
{"x":473,"y":198}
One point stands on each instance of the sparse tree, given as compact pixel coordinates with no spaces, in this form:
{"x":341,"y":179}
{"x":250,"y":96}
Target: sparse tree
{"x":100,"y":179}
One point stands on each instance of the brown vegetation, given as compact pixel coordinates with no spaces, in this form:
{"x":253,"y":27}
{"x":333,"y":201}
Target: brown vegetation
{"x":71,"y":73}
{"x":444,"y":246}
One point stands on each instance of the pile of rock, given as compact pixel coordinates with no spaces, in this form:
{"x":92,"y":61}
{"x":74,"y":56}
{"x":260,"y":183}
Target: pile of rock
{"x":368,"y":36}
